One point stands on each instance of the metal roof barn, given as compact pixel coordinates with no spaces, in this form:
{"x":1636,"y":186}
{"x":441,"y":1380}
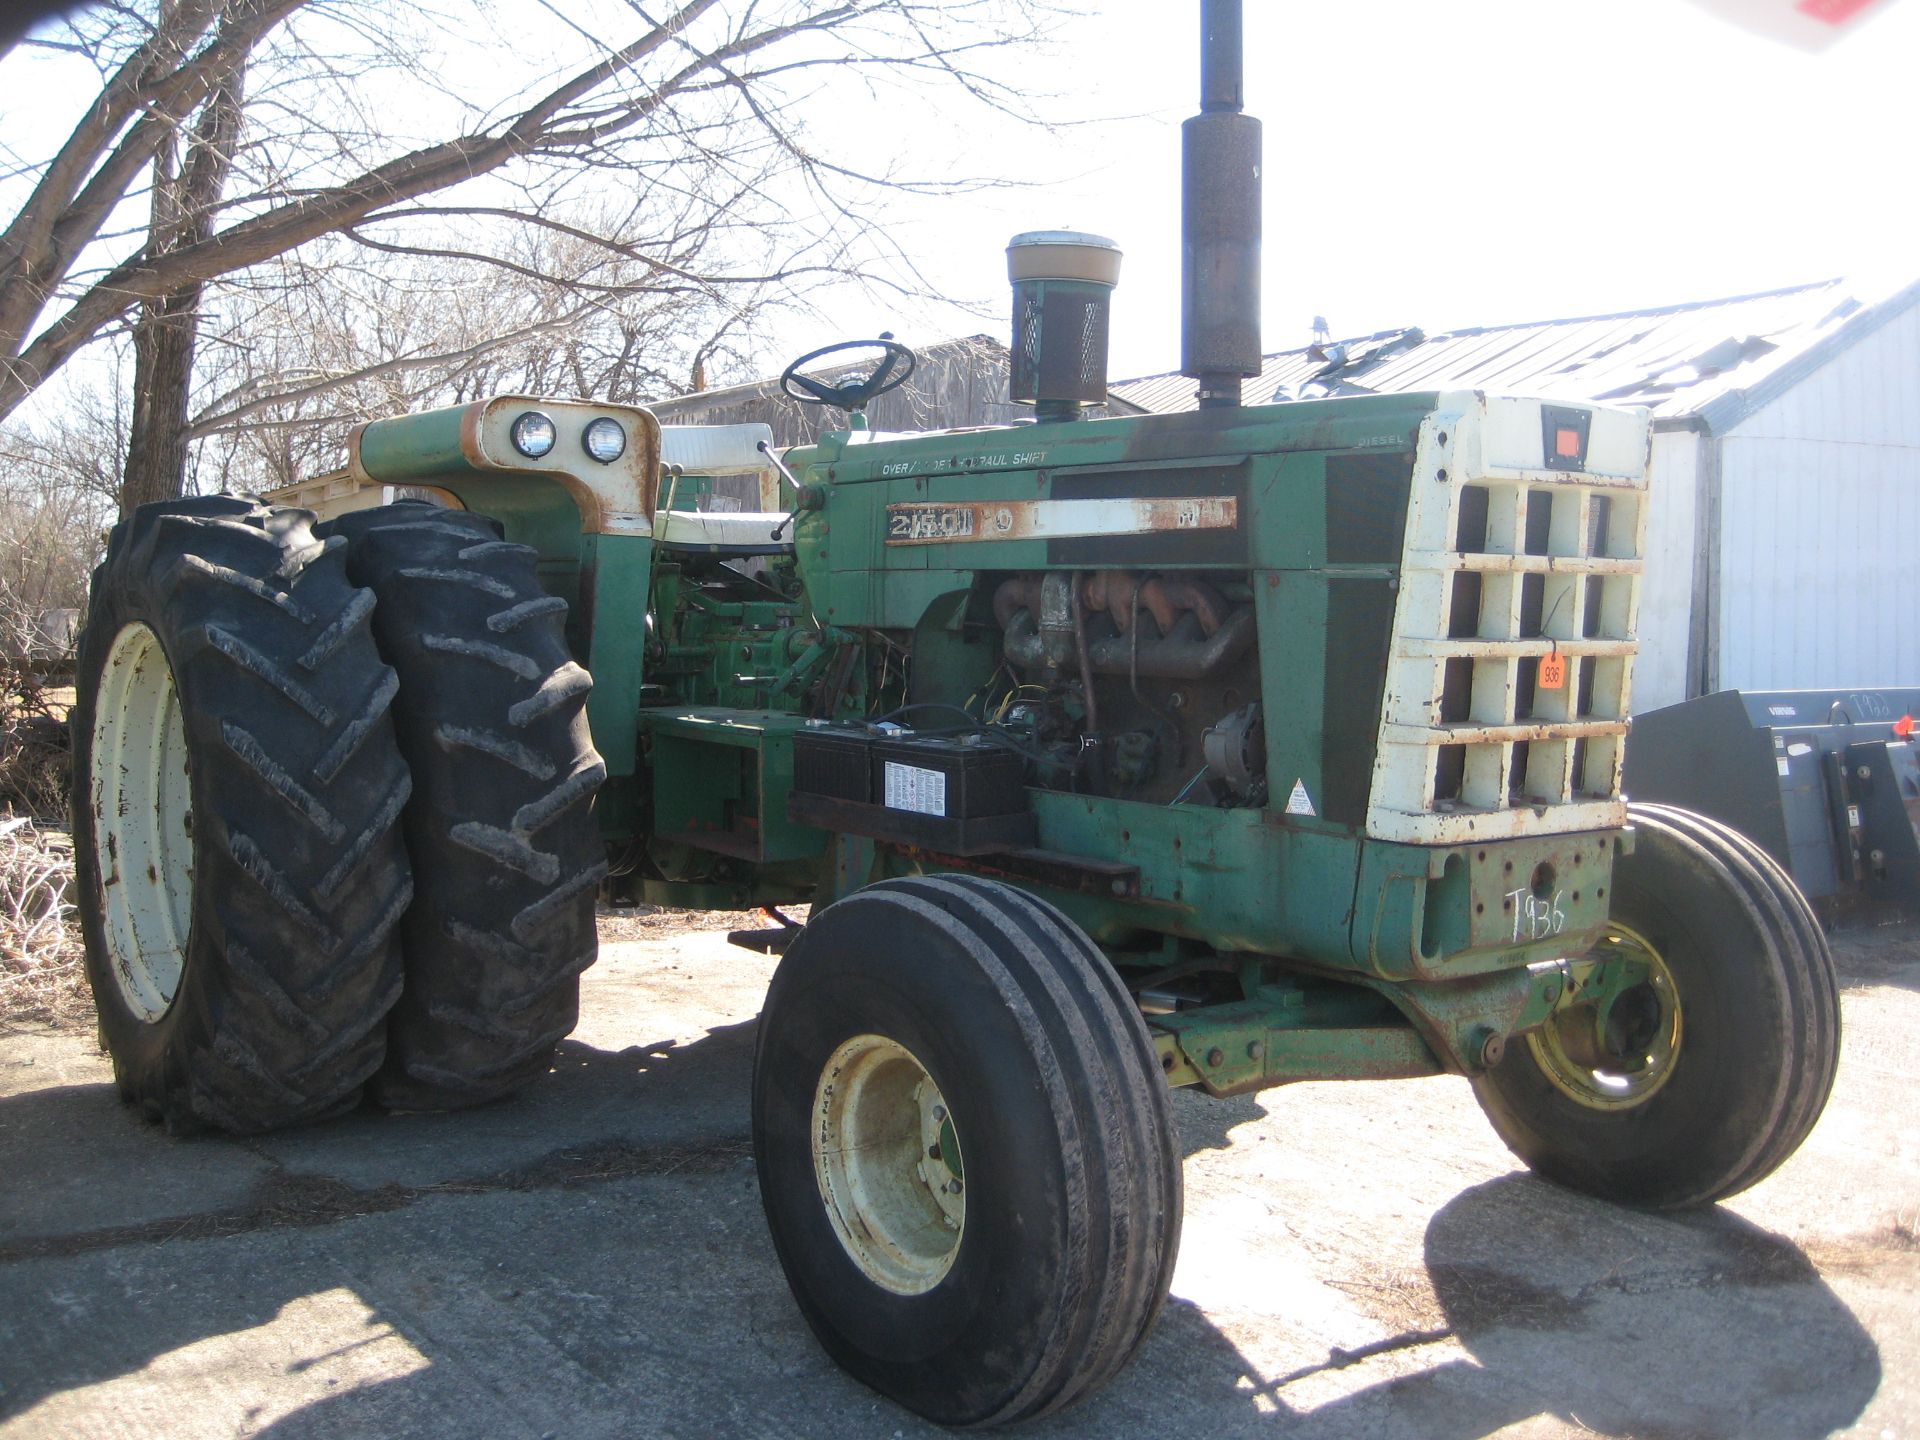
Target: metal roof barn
{"x":1785,"y":470}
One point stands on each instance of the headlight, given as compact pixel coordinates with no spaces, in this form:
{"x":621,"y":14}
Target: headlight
{"x":533,"y":434}
{"x":605,"y":440}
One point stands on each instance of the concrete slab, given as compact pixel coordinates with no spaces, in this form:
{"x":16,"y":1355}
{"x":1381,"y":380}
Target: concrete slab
{"x":73,"y":1159}
{"x":590,"y":1260}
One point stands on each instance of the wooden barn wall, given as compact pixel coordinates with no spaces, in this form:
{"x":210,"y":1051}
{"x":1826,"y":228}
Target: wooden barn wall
{"x":954,"y":385}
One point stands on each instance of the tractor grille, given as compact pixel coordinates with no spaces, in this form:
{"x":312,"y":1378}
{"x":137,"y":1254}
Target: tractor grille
{"x":1511,"y":570}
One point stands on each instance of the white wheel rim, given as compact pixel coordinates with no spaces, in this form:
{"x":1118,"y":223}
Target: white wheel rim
{"x":887,"y":1159}
{"x":142,"y":822}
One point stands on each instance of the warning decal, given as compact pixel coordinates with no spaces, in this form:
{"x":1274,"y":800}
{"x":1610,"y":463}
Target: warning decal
{"x":1298,"y":801}
{"x":909,"y":787}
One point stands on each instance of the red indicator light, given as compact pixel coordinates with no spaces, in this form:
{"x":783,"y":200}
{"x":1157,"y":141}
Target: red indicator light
{"x":1566,"y":443}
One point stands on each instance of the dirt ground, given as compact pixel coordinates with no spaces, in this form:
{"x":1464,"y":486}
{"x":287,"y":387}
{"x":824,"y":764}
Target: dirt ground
{"x":590,"y":1260}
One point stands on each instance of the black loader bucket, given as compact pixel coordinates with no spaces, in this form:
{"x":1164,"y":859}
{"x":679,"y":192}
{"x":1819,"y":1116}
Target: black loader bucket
{"x":1826,"y":781}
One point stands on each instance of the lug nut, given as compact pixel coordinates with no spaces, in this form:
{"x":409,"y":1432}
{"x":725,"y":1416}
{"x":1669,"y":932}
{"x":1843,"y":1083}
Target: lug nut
{"x":953,"y":1187}
{"x":1216,"y":1057}
{"x":1255,"y":1050}
{"x":1493,"y":1049}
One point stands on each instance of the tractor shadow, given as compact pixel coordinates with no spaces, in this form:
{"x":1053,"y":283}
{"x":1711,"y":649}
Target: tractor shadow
{"x":591,"y":1257}
{"x":120,"y":1244}
{"x":1613,"y":1322}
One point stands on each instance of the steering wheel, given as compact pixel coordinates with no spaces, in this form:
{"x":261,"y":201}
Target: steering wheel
{"x":892,"y":370}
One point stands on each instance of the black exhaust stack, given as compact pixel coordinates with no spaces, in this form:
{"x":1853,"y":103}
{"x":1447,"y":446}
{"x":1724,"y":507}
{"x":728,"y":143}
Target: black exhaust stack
{"x":1220,"y":220}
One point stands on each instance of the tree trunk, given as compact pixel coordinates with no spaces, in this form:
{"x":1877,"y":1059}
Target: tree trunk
{"x":185,"y":199}
{"x":163,"y":345}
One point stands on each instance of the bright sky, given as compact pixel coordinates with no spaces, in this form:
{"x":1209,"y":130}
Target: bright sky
{"x":1473,"y":162}
{"x":1439,"y":163}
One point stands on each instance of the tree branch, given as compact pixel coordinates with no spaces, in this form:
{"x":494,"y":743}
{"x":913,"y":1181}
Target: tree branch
{"x":63,"y":215}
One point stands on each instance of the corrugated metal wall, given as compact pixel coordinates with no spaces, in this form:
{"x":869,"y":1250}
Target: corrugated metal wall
{"x":1667,"y":587}
{"x":1819,"y":526}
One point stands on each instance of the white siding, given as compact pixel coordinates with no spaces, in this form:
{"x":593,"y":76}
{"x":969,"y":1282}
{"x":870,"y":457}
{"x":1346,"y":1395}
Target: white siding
{"x":1820,"y":524}
{"x":1666,"y":589}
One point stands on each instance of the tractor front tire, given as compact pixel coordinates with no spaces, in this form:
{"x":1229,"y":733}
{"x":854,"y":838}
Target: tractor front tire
{"x":491,"y":718}
{"x":237,"y":798}
{"x":1720,"y":1068}
{"x":965,"y":1149}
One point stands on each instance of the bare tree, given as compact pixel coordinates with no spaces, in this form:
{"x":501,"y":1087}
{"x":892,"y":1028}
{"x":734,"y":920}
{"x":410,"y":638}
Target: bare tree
{"x":186,"y":196}
{"x":698,"y":111}
{"x":295,"y":364}
{"x":57,"y":489}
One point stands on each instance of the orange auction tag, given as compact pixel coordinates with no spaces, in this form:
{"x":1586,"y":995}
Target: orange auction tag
{"x":1553,"y":670}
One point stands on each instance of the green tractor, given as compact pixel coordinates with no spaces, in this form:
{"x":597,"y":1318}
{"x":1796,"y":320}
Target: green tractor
{"x":1265,"y":743}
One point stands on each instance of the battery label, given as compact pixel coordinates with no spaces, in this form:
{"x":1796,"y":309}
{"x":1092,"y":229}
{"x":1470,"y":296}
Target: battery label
{"x":909,"y":787}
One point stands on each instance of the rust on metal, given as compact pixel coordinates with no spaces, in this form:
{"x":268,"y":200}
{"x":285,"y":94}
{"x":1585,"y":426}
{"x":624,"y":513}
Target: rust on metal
{"x":919,"y":522}
{"x":1120,"y":595}
{"x":1077,"y":874}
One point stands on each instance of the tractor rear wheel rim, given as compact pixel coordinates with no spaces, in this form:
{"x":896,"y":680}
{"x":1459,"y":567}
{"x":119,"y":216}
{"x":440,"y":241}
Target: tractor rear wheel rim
{"x":887,"y":1159}
{"x":1621,"y":1070}
{"x":142,"y":801}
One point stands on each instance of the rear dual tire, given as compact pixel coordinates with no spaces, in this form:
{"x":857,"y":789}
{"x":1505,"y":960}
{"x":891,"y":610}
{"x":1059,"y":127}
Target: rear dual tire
{"x":260,"y":945}
{"x":490,"y":717}
{"x":238,"y":856}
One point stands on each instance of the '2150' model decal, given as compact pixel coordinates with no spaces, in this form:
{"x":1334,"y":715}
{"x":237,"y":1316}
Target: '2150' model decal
{"x":925,"y":523}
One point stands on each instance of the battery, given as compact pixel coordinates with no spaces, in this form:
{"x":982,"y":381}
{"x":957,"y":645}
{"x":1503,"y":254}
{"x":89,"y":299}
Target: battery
{"x":959,"y":794}
{"x":956,"y":777}
{"x":834,"y":760}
